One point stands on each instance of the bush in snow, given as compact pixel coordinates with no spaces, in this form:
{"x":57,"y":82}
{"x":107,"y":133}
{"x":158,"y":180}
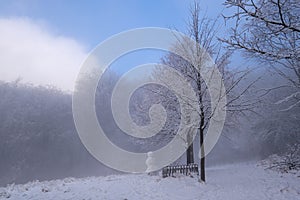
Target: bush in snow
{"x":285,"y":163}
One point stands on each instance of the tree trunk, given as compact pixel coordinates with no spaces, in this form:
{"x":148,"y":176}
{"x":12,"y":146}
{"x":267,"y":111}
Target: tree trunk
{"x":190,"y":154}
{"x":202,"y":159}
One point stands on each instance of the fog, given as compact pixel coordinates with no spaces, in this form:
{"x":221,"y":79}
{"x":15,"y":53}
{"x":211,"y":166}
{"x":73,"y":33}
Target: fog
{"x":39,"y":140}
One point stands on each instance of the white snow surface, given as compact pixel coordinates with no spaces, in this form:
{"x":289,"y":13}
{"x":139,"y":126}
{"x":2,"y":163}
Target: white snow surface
{"x":227,"y":182}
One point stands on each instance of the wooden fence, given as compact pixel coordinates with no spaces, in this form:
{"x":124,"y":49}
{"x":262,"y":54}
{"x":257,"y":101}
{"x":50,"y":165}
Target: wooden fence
{"x":181,"y":169}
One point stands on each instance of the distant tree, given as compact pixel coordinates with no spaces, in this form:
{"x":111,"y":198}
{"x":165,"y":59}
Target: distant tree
{"x":277,"y":128}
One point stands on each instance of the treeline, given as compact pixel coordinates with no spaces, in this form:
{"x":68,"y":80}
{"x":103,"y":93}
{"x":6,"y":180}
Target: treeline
{"x":38,"y":136}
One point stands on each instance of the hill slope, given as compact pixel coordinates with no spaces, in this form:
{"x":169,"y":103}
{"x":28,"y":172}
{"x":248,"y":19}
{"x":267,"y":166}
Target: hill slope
{"x":229,"y":182}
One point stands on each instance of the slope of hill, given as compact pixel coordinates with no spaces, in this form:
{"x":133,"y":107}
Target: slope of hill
{"x":229,"y":182}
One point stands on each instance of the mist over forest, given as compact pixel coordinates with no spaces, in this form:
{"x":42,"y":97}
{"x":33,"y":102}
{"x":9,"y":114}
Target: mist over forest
{"x":39,"y":140}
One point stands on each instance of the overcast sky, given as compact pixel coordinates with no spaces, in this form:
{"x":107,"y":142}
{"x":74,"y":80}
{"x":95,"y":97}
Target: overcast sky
{"x":45,"y":42}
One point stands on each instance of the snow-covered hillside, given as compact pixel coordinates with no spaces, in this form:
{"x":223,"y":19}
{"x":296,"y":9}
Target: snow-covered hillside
{"x":229,"y":182}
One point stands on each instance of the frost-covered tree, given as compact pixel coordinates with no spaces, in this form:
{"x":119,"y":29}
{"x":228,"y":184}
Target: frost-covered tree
{"x":204,"y":32}
{"x":269,"y":31}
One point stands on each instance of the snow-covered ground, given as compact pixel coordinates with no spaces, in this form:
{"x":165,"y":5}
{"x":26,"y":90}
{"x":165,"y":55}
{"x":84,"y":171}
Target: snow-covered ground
{"x":229,"y":182}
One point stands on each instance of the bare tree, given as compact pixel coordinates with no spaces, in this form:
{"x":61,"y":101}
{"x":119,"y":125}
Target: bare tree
{"x":203,"y":31}
{"x":269,"y":30}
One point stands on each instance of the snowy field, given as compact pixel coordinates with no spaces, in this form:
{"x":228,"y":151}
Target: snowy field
{"x":229,"y":182}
